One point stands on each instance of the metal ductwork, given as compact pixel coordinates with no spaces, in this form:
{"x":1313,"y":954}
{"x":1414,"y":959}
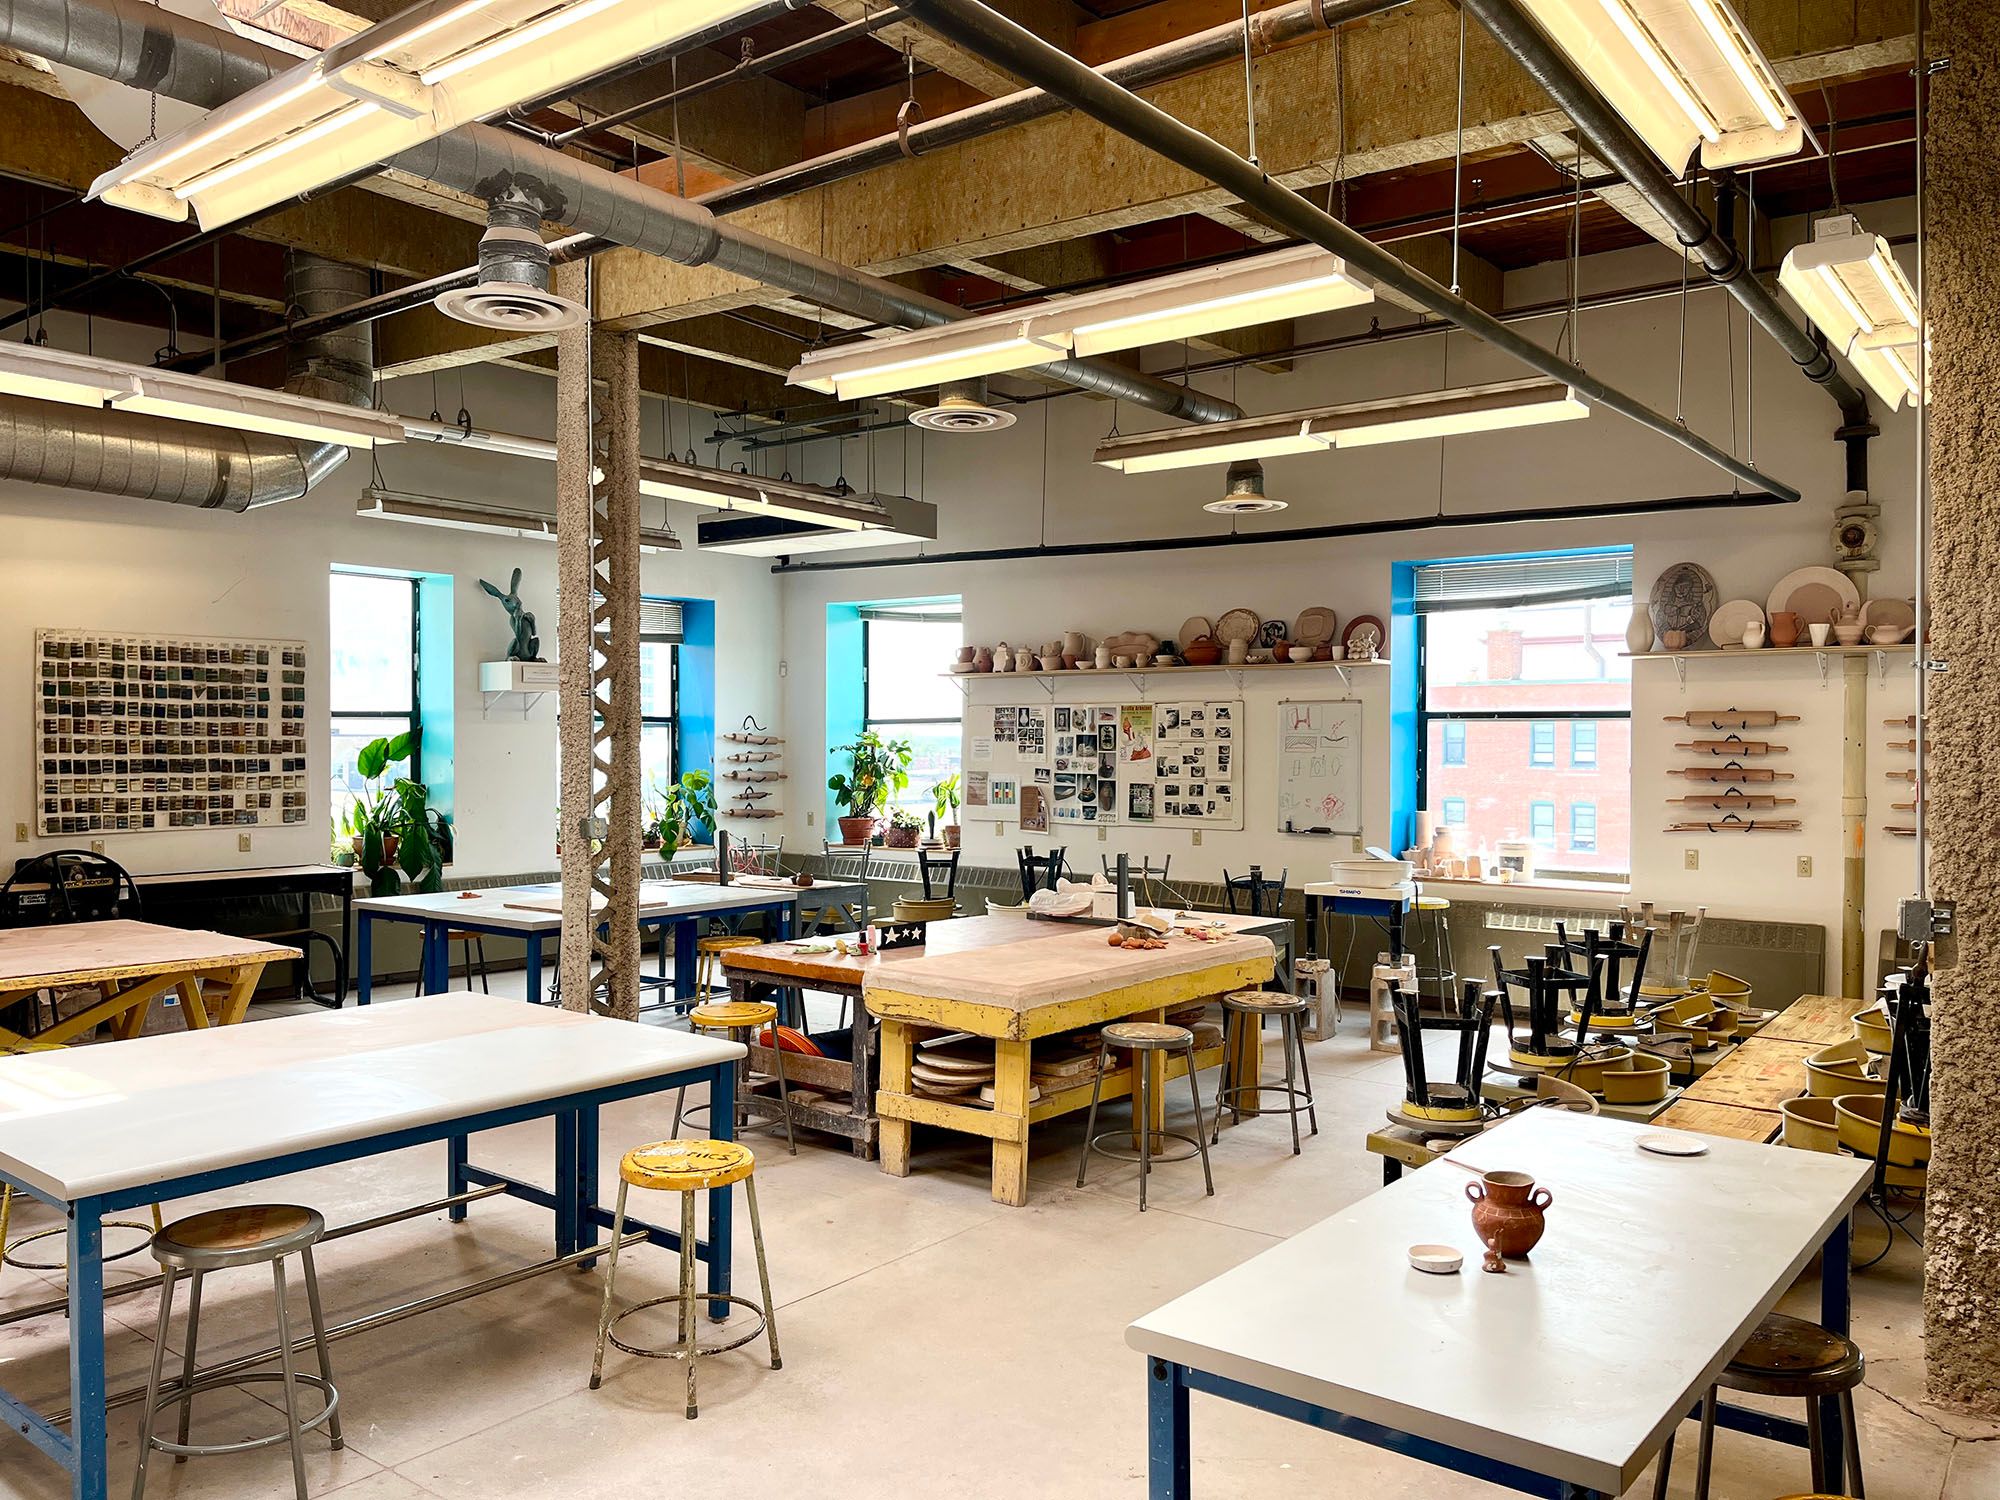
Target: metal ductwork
{"x":138,"y":44}
{"x":110,"y":452}
{"x":512,"y":293}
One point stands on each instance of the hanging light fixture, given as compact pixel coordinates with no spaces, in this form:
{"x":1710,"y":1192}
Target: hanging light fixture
{"x":1847,"y":281}
{"x":1261,"y":289}
{"x":418,"y":75}
{"x":901,"y":519}
{"x":1683,"y":73}
{"x":1429,"y":414}
{"x":785,"y":499}
{"x":498,"y":520}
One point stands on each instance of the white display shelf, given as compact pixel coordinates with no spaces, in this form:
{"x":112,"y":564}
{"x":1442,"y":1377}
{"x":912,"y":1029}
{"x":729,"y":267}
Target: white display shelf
{"x":1680,"y":659}
{"x":1138,"y":675}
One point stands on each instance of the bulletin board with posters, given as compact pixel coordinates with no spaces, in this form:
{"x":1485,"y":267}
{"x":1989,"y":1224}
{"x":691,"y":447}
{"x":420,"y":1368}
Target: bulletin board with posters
{"x":1051,"y":766}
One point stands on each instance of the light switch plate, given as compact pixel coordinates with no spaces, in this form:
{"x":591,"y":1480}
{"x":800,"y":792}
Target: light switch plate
{"x":1197,"y":838}
{"x":97,"y":846}
{"x":242,"y":843}
{"x":21,"y":834}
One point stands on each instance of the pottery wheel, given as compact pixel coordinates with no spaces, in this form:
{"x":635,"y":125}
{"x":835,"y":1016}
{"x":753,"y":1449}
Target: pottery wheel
{"x":1435,"y":1127}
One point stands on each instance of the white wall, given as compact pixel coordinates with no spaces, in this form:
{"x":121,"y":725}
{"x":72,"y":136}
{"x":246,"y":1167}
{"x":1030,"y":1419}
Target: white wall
{"x":87,"y":561}
{"x":990,"y":493}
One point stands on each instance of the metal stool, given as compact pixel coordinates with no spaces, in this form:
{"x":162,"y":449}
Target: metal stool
{"x":475,"y":950}
{"x":1139,"y":1038}
{"x":1243,"y":1010}
{"x":706,"y":962}
{"x":1442,"y":972}
{"x":217,"y":1241}
{"x":740,"y":1020}
{"x":1785,"y":1357}
{"x":686,"y":1167}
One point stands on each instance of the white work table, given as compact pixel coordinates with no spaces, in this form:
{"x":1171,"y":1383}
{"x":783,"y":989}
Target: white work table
{"x":1563,"y":1376}
{"x":93,"y":1130}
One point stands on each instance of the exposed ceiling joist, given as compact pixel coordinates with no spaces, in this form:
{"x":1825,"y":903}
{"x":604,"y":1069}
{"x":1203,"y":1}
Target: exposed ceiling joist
{"x":1052,"y":20}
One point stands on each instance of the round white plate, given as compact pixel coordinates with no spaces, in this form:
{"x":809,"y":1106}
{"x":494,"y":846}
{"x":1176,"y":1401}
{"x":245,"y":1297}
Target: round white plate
{"x":1672,"y":1143}
{"x":1798,"y":578}
{"x":1727,"y":624}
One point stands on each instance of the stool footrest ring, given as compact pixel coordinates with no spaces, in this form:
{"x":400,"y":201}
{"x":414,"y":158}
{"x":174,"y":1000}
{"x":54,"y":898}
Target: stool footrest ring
{"x":1131,"y":1153}
{"x":171,"y":1396}
{"x":704,"y":1350}
{"x":1301,"y":1101}
{"x":8,"y":1259}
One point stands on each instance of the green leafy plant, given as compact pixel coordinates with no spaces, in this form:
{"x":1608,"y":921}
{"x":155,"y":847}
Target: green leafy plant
{"x":398,"y":838}
{"x":903,"y":817}
{"x":877,"y":771}
{"x":686,"y":809}
{"x":945,"y":798}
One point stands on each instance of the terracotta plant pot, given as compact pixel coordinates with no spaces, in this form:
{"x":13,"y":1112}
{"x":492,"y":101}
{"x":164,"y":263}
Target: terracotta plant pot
{"x":950,"y":832}
{"x":898,"y":838}
{"x":390,"y":843}
{"x":858,"y":830}
{"x":1507,"y":1211}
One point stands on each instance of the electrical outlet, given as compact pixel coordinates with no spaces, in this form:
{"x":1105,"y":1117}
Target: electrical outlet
{"x":97,"y":846}
{"x":1691,"y":859}
{"x":1805,"y":867}
{"x":21,"y":833}
{"x":242,"y":843}
{"x":1103,"y":833}
{"x":1197,"y":838}
{"x":810,"y":815}
{"x":1354,"y":844}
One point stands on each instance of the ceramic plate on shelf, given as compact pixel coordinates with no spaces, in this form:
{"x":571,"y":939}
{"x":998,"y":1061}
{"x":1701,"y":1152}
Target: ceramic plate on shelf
{"x":1193,"y":628}
{"x":1237,"y":625}
{"x":1315,"y":626}
{"x":1365,"y":630}
{"x":1896,"y":612}
{"x":1684,"y":597}
{"x":1272,"y":633}
{"x":1727,"y":624}
{"x":1813,"y":594}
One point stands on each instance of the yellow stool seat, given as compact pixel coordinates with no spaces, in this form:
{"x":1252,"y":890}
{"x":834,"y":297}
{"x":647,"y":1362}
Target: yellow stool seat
{"x":724,"y":943}
{"x":730,"y":1015}
{"x":1433,"y":903}
{"x":687,"y":1166}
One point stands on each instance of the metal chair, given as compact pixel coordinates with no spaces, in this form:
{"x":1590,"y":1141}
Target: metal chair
{"x":1040,"y":871}
{"x":687,"y":1168}
{"x":62,"y":885}
{"x":1143,"y":875}
{"x":1786,"y":1357}
{"x":1141,"y":1038}
{"x":843,"y":862}
{"x":1243,"y":1014}
{"x":764,"y":858}
{"x":220,"y":1240}
{"x":1259,"y":897}
{"x":739,"y":1020}
{"x":934,"y":860}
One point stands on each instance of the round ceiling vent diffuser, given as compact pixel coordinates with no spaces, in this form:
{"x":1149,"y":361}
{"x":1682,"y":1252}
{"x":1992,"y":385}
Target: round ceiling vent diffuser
{"x":1245,"y":494}
{"x":514,"y":307}
{"x":963,"y":407}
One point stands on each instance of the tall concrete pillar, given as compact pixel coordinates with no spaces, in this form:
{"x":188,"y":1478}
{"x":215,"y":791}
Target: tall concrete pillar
{"x":1962,"y":274}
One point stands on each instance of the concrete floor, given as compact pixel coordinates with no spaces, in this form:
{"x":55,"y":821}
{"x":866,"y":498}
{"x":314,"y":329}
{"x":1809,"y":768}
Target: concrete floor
{"x":935,"y":1343}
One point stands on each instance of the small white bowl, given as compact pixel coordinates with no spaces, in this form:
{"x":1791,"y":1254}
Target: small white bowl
{"x":1436,"y":1260}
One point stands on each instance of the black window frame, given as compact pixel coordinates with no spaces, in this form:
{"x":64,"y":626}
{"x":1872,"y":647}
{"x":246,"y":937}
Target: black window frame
{"x":415,"y":713}
{"x":671,"y":719}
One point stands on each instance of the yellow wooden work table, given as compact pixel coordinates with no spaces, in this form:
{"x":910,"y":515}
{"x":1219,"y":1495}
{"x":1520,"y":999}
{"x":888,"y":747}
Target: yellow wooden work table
{"x":1014,"y":982}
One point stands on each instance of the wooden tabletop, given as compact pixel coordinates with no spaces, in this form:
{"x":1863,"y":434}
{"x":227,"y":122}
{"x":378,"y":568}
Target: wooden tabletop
{"x":89,"y":952}
{"x":1758,"y":1074}
{"x":1819,"y":1019}
{"x":848,"y":971}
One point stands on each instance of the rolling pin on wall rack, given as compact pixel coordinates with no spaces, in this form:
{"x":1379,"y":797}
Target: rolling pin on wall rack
{"x":1734,"y":797}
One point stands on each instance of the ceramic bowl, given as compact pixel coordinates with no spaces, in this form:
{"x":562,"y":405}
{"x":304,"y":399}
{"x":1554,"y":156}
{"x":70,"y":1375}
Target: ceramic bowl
{"x":1847,"y":632}
{"x":1164,"y":659}
{"x":1301,"y":653}
{"x":1436,"y":1260}
{"x":1885,"y":635}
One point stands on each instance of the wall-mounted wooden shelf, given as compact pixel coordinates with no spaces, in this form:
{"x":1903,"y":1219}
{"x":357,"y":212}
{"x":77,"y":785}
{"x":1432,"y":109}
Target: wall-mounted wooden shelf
{"x":1138,"y":675}
{"x":1680,"y":659}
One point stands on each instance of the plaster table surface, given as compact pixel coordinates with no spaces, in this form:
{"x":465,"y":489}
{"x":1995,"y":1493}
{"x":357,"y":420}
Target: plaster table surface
{"x":538,"y":908}
{"x":1579,"y":1361}
{"x":87,"y":952}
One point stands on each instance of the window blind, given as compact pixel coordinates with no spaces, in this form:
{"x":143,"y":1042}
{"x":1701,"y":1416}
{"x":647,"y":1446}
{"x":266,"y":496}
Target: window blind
{"x":660,"y":621}
{"x":913,"y":614}
{"x":1500,"y":582}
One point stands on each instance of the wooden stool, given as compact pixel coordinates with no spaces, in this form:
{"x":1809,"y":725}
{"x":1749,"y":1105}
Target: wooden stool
{"x":1785,"y":1357}
{"x":1140,"y":1038}
{"x":475,"y":944}
{"x":739,"y":1019}
{"x":706,"y":963}
{"x":687,"y":1168}
{"x":1243,"y":1012}
{"x":219,"y":1240}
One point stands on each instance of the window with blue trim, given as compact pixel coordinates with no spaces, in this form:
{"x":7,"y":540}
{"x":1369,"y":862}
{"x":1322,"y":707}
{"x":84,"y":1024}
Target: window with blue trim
{"x":1542,"y":743}
{"x":1583,"y":827}
{"x":1542,"y":823}
{"x":1454,"y":745}
{"x":1583,"y":744}
{"x":1454,"y":812}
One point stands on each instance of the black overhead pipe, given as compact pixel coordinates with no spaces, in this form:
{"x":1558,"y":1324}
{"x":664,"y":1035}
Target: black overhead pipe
{"x":999,"y":41}
{"x":1615,"y":144}
{"x":1386,"y":527}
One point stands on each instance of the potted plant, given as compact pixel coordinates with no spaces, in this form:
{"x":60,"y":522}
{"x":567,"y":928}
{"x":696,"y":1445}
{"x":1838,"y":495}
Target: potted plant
{"x":395,"y":833}
{"x":945,"y":797}
{"x":904,"y":826}
{"x":687,"y":809}
{"x":877,"y":770}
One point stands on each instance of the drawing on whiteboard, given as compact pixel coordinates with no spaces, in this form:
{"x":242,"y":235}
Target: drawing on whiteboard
{"x":1319,"y":767}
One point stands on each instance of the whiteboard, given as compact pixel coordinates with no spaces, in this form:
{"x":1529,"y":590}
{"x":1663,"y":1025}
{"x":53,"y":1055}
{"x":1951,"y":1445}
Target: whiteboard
{"x":1319,"y":766}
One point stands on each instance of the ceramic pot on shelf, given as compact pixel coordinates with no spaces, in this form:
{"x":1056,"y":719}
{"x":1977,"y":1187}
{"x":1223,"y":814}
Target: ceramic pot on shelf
{"x":1237,"y":652}
{"x":1784,"y":628}
{"x":967,"y":655}
{"x":1674,"y":640}
{"x":1074,"y":643}
{"x":1753,"y":635}
{"x":1103,"y":658}
{"x":1507,"y":1211}
{"x":983,"y":661}
{"x":1003,"y":658}
{"x":1639,"y":633}
{"x":858,"y":830}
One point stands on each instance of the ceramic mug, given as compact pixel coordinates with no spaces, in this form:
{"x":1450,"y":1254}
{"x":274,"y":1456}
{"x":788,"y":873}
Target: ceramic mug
{"x":1819,"y":630}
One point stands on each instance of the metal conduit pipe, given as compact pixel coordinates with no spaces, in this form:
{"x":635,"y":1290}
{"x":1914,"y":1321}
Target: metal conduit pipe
{"x":135,"y":43}
{"x":1614,"y":143}
{"x":1005,"y":45}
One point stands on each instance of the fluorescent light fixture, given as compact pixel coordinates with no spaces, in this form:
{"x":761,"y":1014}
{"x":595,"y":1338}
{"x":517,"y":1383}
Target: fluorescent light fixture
{"x":928,"y":357}
{"x":216,"y":403}
{"x":1283,"y":284}
{"x":73,"y":379}
{"x":496,"y":520}
{"x":751,"y":494}
{"x":1683,"y":73}
{"x":1477,"y":408}
{"x":1849,"y":284}
{"x":416,"y":76}
{"x":902,"y":520}
{"x":1263,"y":289}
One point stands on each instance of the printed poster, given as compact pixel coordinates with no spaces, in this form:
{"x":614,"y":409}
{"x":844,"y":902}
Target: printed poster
{"x":1034,"y":809}
{"x":1135,"y":733}
{"x":1003,"y":791}
{"x":977,"y":788}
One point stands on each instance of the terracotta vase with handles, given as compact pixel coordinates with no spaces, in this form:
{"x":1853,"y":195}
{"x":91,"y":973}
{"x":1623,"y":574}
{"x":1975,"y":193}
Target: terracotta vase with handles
{"x":1507,"y":1211}
{"x":1784,"y":628}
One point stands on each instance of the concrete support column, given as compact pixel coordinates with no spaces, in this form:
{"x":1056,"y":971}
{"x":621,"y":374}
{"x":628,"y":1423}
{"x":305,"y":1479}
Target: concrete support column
{"x":615,"y":562}
{"x":1962,"y":1282}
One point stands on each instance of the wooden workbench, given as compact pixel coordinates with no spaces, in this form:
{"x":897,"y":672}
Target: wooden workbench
{"x":129,"y":964}
{"x":1004,"y":979}
{"x":1821,"y":1020}
{"x":1742,"y":1097}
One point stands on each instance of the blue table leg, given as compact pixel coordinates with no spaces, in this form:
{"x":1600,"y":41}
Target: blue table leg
{"x":88,"y":1476}
{"x":721,"y":1201}
{"x":566,"y":1182}
{"x":437,"y":951}
{"x":785,"y":921}
{"x":683,"y":932}
{"x":455,"y":1157}
{"x":1167,"y":1462}
{"x":534,"y":968}
{"x":364,"y":958}
{"x":586,"y":1177}
{"x":1834,"y":1314}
